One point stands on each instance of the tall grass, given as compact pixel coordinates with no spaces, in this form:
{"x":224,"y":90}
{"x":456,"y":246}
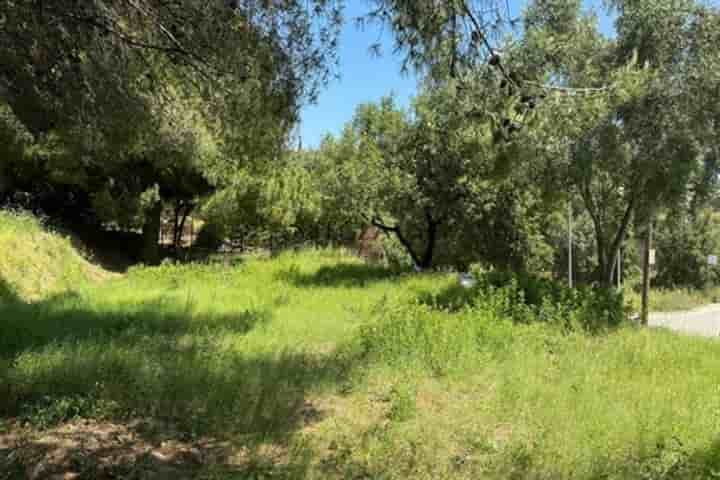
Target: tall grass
{"x":34,"y":262}
{"x":670,"y":300}
{"x":353,"y":372}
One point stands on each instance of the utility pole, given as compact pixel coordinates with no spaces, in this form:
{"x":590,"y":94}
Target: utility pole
{"x":570,"y":245}
{"x":646,"y":274}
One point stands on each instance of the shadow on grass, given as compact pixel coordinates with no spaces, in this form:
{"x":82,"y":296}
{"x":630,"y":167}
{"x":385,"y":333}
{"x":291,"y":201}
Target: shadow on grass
{"x":67,"y":317}
{"x":194,"y":374}
{"x":340,"y":275}
{"x":62,"y":359}
{"x":140,"y":450}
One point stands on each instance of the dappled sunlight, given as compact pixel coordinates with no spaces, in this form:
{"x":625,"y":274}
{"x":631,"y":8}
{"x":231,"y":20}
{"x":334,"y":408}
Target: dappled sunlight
{"x":69,"y":317}
{"x":443,"y":287}
{"x":157,"y":358}
{"x":245,"y":370}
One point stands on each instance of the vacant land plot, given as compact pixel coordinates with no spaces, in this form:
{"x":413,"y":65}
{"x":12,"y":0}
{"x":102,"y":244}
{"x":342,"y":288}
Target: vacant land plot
{"x":313,"y":365}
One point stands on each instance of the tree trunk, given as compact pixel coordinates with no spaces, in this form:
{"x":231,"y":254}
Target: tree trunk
{"x":426,"y":261}
{"x":408,"y":247}
{"x":432,"y":225}
{"x":401,"y":238}
{"x":617,"y":243}
{"x":608,"y":252}
{"x":181,"y":226}
{"x":176,"y":223}
{"x":151,"y":234}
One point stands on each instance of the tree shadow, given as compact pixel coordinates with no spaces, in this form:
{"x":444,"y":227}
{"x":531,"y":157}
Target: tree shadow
{"x":114,"y":251}
{"x":163,"y":375}
{"x":137,"y":450}
{"x":7,"y":293}
{"x":348,"y":275}
{"x":66,"y":317}
{"x":194,"y":375}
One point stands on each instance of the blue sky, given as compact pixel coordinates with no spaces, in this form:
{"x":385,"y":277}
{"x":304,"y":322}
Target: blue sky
{"x":365,"y":77}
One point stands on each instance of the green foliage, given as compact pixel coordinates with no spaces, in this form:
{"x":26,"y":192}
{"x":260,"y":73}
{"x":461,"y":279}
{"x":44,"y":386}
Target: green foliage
{"x":346,"y":370}
{"x":429,"y":178}
{"x":210,"y":237}
{"x":396,"y":256}
{"x":684,"y":242}
{"x":445,"y":38}
{"x":527,"y":298}
{"x":403,"y":404}
{"x":160,"y":102}
{"x":611,"y":131}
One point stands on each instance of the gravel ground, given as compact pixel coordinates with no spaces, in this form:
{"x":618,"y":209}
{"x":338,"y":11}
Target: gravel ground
{"x":703,"y":321}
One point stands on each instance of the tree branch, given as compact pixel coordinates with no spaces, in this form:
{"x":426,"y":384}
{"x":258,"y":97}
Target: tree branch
{"x":377,"y":222}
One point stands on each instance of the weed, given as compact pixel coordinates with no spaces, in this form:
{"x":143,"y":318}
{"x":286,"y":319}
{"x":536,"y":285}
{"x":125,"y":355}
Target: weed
{"x":403,"y":405}
{"x":314,"y":365}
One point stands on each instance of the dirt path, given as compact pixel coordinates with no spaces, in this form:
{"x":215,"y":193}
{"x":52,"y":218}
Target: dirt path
{"x":703,"y":321}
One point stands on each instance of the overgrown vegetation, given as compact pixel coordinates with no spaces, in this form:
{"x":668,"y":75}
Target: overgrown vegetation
{"x":315,"y":365}
{"x":119,"y":119}
{"x":669,"y":300}
{"x":35,"y":263}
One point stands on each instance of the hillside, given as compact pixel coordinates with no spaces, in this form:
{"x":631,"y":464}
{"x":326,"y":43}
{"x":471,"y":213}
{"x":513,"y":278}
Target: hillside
{"x":37,"y":263}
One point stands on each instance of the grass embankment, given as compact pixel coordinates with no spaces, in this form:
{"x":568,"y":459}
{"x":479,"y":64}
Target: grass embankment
{"x":35,"y":263}
{"x":313,"y":365}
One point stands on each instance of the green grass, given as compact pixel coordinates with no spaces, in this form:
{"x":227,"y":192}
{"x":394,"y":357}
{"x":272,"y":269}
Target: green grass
{"x":35,"y":263}
{"x":671,"y":300}
{"x":314,"y":365}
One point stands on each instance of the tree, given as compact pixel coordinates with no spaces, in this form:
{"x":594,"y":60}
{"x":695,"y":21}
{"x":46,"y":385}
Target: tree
{"x":684,"y":239}
{"x":639,"y":145}
{"x":134,"y":104}
{"x":438,"y":183}
{"x":447,"y":37}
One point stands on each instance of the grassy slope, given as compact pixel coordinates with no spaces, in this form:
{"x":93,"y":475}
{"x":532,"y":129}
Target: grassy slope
{"x":35,"y":263}
{"x":314,"y":366}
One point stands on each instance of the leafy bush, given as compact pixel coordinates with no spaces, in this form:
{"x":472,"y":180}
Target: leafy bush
{"x":527,"y":298}
{"x":210,"y":237}
{"x":415,"y":334}
{"x":396,"y":256}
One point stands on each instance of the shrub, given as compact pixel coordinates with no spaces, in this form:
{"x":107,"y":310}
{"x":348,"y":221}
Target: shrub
{"x":526,"y":299}
{"x":396,"y":257}
{"x":415,"y":334}
{"x":210,"y":237}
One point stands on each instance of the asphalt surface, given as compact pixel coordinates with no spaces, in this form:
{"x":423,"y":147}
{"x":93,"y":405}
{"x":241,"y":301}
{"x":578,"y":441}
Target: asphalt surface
{"x":703,"y":321}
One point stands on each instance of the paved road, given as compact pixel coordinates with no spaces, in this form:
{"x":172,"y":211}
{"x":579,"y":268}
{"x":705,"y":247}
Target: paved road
{"x":701,"y":321}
